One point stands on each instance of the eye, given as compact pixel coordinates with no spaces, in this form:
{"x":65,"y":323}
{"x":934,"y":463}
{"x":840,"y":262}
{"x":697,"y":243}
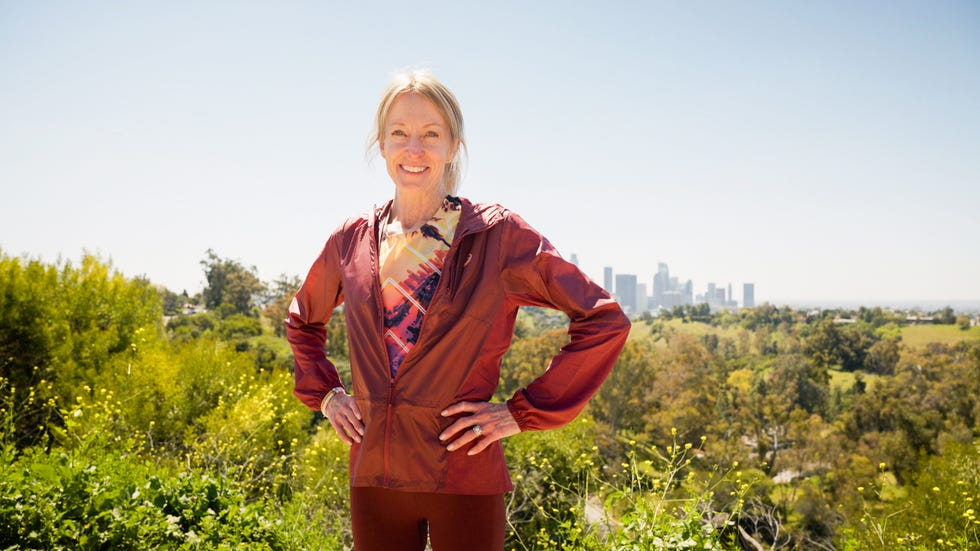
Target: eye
{"x":431,"y":134}
{"x":397,"y":133}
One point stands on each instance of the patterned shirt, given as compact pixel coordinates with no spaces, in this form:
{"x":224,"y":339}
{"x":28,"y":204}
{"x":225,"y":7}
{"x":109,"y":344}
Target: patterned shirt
{"x":410,"y":267}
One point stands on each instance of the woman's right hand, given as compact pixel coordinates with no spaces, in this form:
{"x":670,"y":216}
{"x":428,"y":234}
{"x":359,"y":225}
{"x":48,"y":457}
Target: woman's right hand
{"x":343,"y":414}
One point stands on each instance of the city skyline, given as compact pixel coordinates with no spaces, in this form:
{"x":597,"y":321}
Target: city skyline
{"x":668,"y":291}
{"x":825,"y":152}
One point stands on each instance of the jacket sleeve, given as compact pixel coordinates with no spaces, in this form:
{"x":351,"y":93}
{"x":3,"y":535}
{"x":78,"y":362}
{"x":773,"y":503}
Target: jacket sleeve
{"x":534,"y":274}
{"x":306,"y":323}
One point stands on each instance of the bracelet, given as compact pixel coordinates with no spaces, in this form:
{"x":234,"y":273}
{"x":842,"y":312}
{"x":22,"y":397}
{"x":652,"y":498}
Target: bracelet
{"x":326,"y":399}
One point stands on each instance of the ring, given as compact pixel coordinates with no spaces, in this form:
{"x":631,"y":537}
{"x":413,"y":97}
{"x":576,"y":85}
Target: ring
{"x":478,"y":430}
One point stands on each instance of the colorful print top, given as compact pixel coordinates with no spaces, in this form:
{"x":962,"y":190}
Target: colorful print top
{"x":410,"y":267}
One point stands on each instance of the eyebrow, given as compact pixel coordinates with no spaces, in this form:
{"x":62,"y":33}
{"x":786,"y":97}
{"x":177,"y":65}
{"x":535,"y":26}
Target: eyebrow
{"x":399,"y":123}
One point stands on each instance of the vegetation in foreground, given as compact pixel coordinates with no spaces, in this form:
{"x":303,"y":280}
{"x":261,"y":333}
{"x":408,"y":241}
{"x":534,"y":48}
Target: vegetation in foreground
{"x":762,"y":429}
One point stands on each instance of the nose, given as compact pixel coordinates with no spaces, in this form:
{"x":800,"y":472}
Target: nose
{"x":414,"y":143}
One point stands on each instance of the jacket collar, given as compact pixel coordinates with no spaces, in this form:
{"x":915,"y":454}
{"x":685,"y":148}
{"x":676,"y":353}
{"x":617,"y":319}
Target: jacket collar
{"x":473,"y":217}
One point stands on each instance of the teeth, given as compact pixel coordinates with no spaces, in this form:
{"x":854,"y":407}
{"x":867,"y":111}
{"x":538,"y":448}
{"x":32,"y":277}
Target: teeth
{"x":413,"y":168}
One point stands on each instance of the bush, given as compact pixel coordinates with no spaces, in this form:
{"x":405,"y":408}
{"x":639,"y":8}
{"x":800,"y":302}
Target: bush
{"x":99,"y":491}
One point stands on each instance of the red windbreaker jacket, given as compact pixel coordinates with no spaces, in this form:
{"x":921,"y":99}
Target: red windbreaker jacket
{"x":496,"y":263}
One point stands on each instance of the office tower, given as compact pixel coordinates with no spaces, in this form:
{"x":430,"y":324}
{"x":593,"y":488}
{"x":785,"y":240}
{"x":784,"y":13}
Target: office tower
{"x":626,"y":292}
{"x":709,"y":297}
{"x":748,"y":295}
{"x":731,"y":298}
{"x":720,"y":297}
{"x":574,"y":259}
{"x":661,"y":284}
{"x":607,"y":279}
{"x":642,"y":302}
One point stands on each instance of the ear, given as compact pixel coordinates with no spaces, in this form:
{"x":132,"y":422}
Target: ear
{"x":381,"y":148}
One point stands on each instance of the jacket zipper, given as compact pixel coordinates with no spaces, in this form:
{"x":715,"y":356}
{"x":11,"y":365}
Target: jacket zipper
{"x":386,"y":452}
{"x":387,"y":445}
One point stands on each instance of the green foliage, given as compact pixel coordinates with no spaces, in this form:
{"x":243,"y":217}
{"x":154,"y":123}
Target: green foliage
{"x":230,"y":284}
{"x":253,"y":434}
{"x":61,"y":326}
{"x":938,"y":510}
{"x":96,"y":491}
{"x":845,"y":346}
{"x":116,"y":434}
{"x":282,"y":292}
{"x":192,"y":326}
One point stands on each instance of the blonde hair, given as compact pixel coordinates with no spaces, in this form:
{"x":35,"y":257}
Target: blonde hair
{"x":423,"y":83}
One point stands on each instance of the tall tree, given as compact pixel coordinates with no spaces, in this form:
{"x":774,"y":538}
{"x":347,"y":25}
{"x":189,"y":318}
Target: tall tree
{"x":230,"y":283}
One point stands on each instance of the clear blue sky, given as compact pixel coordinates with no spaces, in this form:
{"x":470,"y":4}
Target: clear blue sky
{"x":822,"y":150}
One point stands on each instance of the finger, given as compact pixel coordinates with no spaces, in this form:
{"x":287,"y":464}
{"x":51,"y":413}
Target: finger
{"x":483,"y":444}
{"x":352,"y":426}
{"x":353,"y":416}
{"x":467,"y":422}
{"x":341,"y":432}
{"x":502,"y":426}
{"x":464,"y":439}
{"x":348,"y":411}
{"x":461,"y":407}
{"x":348,"y":427}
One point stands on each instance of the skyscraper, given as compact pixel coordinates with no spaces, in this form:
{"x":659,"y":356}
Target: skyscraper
{"x":748,"y":295}
{"x":626,"y":292}
{"x":607,"y":279}
{"x":642,"y":300}
{"x":661,"y":284}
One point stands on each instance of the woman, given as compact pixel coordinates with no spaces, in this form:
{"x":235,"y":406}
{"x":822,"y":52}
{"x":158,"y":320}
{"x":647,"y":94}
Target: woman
{"x":431,"y":284}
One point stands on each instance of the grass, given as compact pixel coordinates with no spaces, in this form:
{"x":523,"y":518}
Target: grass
{"x":917,"y":336}
{"x":844,"y":380}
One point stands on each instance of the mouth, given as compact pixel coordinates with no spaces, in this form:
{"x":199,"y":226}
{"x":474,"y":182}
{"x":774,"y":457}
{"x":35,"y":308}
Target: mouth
{"x":413,"y":169}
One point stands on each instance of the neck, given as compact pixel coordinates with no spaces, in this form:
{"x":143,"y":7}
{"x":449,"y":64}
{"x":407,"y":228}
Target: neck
{"x":413,"y":210}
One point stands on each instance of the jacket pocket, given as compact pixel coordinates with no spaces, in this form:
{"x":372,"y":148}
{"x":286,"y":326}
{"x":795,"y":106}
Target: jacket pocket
{"x":418,"y":458}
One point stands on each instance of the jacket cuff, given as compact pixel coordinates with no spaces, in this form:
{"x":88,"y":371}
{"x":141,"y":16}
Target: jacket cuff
{"x":517,"y":413}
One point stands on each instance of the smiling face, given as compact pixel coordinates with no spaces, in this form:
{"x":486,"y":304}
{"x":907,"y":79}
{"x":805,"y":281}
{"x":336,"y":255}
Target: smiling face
{"x":416,"y":145}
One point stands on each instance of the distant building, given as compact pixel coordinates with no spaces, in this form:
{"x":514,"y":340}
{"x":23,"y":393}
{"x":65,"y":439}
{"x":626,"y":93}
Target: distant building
{"x":574,"y":259}
{"x":717,"y":297}
{"x":668,"y":291}
{"x":626,"y":292}
{"x":642,"y":301}
{"x":661,"y":284}
{"x":748,"y":295}
{"x":607,"y":279}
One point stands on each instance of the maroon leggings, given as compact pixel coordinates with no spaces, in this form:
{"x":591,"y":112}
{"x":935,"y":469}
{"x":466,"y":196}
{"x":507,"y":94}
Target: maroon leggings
{"x":391,"y":520}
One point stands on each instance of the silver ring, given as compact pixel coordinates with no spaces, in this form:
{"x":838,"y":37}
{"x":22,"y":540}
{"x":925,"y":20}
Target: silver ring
{"x":478,"y":430}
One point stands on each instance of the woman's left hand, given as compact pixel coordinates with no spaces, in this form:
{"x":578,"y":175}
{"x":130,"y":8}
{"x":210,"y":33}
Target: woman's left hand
{"x":493,"y":419}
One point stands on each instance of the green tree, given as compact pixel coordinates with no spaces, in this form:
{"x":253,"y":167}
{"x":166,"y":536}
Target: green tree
{"x":230,"y":283}
{"x":281,"y":293}
{"x":831,"y":344}
{"x":883,"y":356}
